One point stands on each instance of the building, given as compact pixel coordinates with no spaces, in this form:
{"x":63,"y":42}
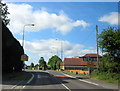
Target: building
{"x":80,"y":65}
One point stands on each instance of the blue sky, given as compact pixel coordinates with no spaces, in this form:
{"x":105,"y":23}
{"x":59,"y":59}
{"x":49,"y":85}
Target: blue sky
{"x":70,"y":23}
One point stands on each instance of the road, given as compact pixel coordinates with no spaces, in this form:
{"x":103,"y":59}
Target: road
{"x":56,"y":80}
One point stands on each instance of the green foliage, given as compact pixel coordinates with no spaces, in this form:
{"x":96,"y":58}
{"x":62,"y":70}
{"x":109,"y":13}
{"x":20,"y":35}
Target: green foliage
{"x":108,"y":77}
{"x":54,"y":62}
{"x":36,"y":66}
{"x":4,"y":13}
{"x":109,"y":41}
{"x":42,"y":63}
{"x":31,"y":65}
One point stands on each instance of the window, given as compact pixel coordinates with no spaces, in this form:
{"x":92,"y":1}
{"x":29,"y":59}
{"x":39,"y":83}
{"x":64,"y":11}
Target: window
{"x":85,"y":59}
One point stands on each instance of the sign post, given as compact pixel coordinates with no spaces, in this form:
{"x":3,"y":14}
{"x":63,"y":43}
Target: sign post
{"x":90,"y":64}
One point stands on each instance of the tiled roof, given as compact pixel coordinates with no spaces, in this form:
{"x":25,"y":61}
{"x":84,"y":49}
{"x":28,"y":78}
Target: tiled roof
{"x":74,"y":61}
{"x":78,"y":61}
{"x":91,"y":55}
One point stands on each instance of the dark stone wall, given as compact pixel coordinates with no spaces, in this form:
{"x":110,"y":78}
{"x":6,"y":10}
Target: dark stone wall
{"x":11,"y":52}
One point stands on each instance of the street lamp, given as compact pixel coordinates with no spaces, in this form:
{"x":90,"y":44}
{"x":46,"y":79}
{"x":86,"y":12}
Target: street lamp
{"x":61,"y":44}
{"x":24,"y":31}
{"x":22,"y":56}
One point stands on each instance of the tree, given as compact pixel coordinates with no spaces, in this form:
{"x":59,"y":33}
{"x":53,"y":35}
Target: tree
{"x":4,"y":13}
{"x":42,"y":63}
{"x":109,"y":41}
{"x":54,"y":62}
{"x":36,"y":66}
{"x":31,"y":65}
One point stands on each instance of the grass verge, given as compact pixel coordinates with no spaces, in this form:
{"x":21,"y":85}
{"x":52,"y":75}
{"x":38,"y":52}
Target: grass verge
{"x":106,"y":77}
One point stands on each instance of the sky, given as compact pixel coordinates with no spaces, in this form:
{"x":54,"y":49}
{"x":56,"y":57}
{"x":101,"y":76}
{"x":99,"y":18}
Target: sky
{"x":66,"y":26}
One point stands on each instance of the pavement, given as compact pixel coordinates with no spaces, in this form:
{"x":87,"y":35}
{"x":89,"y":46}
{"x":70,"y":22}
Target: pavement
{"x":54,"y":80}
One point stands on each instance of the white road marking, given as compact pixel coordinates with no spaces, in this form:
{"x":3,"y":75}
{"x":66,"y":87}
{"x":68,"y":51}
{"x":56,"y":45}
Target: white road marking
{"x":65,"y":86}
{"x":69,"y":76}
{"x":89,"y":82}
{"x":30,"y":79}
{"x":23,"y":86}
{"x":38,"y":76}
{"x":16,"y":85}
{"x":82,"y":80}
{"x":22,"y":80}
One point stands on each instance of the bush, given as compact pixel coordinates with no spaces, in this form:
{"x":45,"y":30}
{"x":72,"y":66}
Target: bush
{"x":109,"y":77}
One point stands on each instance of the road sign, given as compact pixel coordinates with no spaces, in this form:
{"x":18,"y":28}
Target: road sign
{"x":24,"y":57}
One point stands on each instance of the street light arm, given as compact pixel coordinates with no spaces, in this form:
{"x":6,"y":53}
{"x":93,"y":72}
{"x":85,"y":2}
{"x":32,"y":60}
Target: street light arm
{"x":24,"y":31}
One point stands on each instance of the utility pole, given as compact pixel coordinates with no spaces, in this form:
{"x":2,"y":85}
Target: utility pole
{"x":97,"y":44}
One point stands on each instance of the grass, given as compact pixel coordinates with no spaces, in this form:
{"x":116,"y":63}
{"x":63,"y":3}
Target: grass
{"x":73,"y":73}
{"x":18,"y":76}
{"x":107,"y":77}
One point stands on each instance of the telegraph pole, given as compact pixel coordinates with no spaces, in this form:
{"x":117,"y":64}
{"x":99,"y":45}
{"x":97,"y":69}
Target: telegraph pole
{"x":97,"y":44}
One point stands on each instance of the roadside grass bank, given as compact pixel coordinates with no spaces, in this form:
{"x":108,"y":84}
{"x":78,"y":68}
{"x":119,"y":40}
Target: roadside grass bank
{"x":113,"y":78}
{"x":16,"y":76}
{"x":107,"y":77}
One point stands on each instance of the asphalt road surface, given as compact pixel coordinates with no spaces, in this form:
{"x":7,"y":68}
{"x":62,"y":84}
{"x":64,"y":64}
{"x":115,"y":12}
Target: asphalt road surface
{"x":53,"y":80}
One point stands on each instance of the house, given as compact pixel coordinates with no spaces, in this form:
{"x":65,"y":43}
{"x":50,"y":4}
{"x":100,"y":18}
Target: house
{"x":80,"y":65}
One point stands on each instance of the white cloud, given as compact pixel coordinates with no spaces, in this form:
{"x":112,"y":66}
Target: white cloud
{"x":111,"y":18}
{"x":21,"y":14}
{"x":47,"y":48}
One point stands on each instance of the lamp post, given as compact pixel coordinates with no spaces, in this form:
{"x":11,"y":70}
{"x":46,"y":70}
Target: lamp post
{"x":24,"y":31}
{"x":23,"y":38}
{"x":61,"y":49}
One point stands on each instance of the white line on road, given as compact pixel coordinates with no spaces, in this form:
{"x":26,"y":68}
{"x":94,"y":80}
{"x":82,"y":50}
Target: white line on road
{"x":65,"y":86}
{"x":38,"y":76}
{"x":89,"y":82}
{"x":82,"y":80}
{"x":30,"y":79}
{"x":16,"y":85}
{"x":69,"y":76}
{"x":21,"y":81}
